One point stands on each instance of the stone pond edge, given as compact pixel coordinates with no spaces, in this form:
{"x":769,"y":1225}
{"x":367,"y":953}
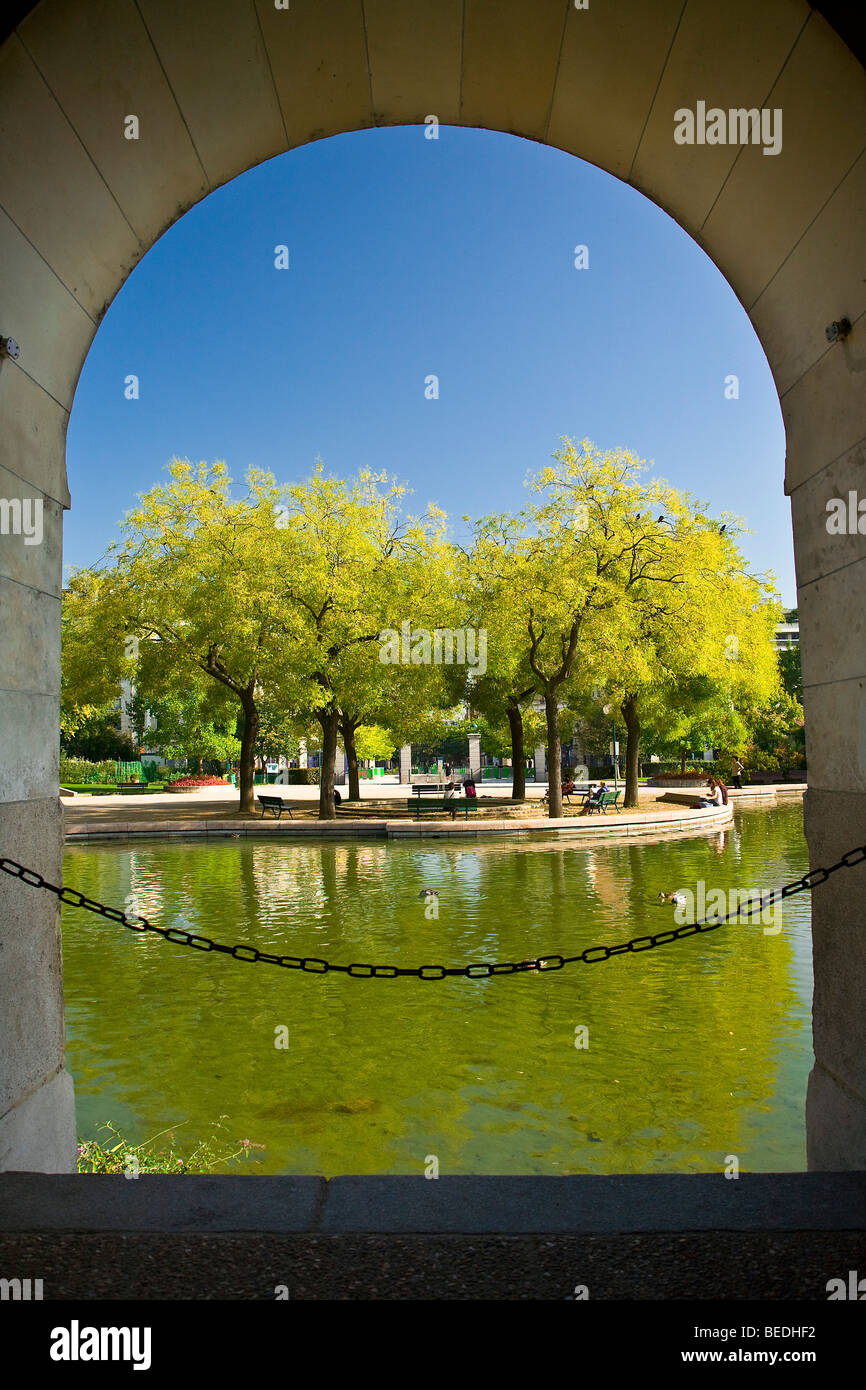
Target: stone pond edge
{"x":579,"y":1204}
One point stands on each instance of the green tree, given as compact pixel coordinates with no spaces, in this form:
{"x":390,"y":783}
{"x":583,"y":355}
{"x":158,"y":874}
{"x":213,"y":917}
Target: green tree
{"x":97,"y":737}
{"x":661,"y":596}
{"x":93,"y":657}
{"x":189,"y":590}
{"x":506,"y":690}
{"x":348,"y":567}
{"x":277,"y":734}
{"x":374,"y":743}
{"x":199,"y":723}
{"x":579,"y":567}
{"x":702,"y":644}
{"x":791,"y":672}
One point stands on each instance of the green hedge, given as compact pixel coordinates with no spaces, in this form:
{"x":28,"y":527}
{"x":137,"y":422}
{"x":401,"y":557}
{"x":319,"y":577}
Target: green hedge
{"x":80,"y":770}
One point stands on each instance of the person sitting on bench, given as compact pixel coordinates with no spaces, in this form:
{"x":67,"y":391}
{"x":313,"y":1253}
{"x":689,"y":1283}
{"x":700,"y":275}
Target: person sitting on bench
{"x":594,"y":800}
{"x":452,"y":793}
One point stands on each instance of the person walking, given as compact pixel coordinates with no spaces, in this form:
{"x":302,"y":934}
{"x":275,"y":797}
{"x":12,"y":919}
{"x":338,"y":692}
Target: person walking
{"x":737,"y":771}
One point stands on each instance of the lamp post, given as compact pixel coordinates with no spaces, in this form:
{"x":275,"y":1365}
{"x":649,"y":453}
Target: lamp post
{"x":608,"y":709}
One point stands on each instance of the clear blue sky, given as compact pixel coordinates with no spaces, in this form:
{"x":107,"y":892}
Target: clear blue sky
{"x":409,"y":257}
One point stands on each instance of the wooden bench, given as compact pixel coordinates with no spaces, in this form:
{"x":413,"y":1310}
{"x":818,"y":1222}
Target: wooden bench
{"x":606,"y":799}
{"x":453,"y":803}
{"x":427,"y":789}
{"x":276,"y":804}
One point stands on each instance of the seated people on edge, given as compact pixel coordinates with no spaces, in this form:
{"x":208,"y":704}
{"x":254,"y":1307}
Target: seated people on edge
{"x":717,"y":794}
{"x":451,"y":793}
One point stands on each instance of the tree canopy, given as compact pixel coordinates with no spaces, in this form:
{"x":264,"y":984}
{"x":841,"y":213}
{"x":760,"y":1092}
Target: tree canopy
{"x":246,"y":618}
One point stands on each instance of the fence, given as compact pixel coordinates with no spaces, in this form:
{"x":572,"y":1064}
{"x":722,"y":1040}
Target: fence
{"x":128,"y":772}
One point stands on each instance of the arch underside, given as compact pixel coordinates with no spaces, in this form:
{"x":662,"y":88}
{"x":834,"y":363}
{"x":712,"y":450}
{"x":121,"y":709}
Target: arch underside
{"x":221,"y":86}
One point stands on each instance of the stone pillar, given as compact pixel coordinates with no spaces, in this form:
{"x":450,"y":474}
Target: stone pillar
{"x":37,"y":1108}
{"x":824,"y":465}
{"x":541,"y":763}
{"x":406,"y":764}
{"x":302,"y":752}
{"x":475,"y":756}
{"x":831,"y":578}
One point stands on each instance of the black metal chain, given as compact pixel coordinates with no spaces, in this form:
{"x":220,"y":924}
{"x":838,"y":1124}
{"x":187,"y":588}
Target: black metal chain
{"x":478,"y":971}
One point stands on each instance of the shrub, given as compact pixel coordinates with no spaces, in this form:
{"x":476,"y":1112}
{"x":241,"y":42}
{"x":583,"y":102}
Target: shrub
{"x":80,"y":771}
{"x":759,"y":761}
{"x":303,"y":776}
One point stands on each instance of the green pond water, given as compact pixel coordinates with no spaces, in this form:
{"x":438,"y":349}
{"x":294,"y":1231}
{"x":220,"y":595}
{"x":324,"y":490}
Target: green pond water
{"x":696,"y":1050}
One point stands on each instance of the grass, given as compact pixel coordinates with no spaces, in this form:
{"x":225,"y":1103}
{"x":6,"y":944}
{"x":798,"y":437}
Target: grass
{"x":211,"y":1155}
{"x":112,"y":788}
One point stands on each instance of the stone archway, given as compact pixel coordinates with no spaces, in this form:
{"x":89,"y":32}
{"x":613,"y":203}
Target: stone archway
{"x":218,"y":87}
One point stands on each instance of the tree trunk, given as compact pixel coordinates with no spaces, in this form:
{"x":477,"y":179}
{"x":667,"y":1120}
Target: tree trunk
{"x":248,"y":752}
{"x":347,"y":729}
{"x":518,"y":757}
{"x":683,"y":761}
{"x":329,"y":719}
{"x":632,"y":748}
{"x":554,"y":755}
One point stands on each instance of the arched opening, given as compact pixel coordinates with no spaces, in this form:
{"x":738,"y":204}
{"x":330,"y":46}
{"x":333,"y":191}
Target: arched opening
{"x":332,"y":357}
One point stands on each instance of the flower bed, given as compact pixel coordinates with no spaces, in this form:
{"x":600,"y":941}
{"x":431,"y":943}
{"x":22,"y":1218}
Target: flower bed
{"x":192,"y":784}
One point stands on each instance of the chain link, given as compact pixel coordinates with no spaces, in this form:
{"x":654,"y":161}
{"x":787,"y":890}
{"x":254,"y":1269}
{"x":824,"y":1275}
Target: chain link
{"x":479,"y":970}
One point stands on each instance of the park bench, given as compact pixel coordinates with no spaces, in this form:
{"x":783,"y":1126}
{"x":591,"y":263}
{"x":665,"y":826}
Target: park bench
{"x":427,"y":789}
{"x":605,"y":800}
{"x":581,"y":792}
{"x":276,"y":804}
{"x":453,"y":803}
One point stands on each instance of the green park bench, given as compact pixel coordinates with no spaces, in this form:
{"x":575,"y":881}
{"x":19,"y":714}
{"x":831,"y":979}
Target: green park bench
{"x":605,"y":800}
{"x":276,"y":804}
{"x":453,"y":803}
